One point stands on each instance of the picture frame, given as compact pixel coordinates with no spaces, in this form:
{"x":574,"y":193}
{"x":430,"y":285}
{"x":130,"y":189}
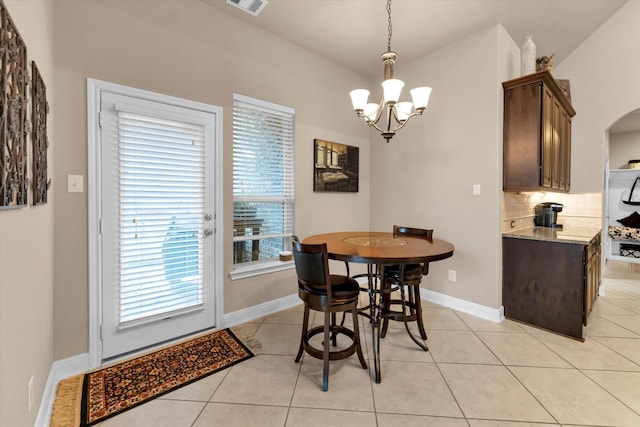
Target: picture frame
{"x":336,"y":167}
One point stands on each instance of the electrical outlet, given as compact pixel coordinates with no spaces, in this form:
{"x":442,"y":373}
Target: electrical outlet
{"x":30,"y":393}
{"x":452,"y":275}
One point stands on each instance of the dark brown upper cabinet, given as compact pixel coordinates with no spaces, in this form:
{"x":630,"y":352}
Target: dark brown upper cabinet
{"x":537,"y":134}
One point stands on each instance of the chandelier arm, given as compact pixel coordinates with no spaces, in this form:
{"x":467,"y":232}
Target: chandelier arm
{"x":417,"y":113}
{"x":374,"y":125}
{"x":401,"y":124}
{"x":380,"y":108}
{"x":395,"y":116}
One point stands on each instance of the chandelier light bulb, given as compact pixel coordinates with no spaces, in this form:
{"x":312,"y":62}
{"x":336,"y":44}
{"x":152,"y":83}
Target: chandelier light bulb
{"x":371,"y":111}
{"x":420,"y":97}
{"x":391,"y":89}
{"x":403,"y":110}
{"x":359,"y":98}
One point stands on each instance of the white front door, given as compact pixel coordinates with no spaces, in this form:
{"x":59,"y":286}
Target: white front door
{"x":156,"y":222}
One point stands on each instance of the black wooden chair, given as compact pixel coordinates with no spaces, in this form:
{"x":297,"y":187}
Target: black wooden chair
{"x":409,"y":302}
{"x":329,"y":294}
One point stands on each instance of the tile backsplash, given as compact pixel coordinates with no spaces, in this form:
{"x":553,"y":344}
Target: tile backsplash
{"x":582,"y":209}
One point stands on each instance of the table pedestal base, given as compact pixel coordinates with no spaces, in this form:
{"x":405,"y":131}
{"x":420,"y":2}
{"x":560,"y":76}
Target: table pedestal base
{"x":376,"y":314}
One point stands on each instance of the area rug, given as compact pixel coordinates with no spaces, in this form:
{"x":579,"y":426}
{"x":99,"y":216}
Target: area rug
{"x":87,"y":399}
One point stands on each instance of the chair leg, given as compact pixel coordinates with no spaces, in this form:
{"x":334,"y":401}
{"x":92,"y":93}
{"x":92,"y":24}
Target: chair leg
{"x":356,"y":333}
{"x":418,"y":305}
{"x":325,"y":364}
{"x":386,"y":306}
{"x":305,"y":328}
{"x":334,"y":331}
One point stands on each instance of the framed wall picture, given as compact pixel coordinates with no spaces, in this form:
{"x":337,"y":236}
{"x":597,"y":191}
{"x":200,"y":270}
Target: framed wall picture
{"x":335,"y":167}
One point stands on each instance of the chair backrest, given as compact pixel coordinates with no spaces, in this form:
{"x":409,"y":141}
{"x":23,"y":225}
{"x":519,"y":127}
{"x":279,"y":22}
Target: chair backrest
{"x":312,"y":266}
{"x":425,"y":233}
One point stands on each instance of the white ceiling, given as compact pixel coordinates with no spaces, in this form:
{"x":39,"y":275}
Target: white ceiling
{"x":353,"y":33}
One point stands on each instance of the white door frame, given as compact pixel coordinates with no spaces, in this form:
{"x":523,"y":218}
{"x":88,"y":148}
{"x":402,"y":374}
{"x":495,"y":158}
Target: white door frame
{"x":94,"y":90}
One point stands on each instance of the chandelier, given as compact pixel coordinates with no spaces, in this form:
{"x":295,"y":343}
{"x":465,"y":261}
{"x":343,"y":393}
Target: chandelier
{"x":396,"y":114}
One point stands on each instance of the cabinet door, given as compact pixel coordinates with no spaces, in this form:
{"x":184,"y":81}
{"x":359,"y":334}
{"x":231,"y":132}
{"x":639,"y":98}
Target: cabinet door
{"x":567,"y":152}
{"x":547,"y":138}
{"x":557,"y":137}
{"x":588,"y":294}
{"x":563,"y":158}
{"x":522,"y":135}
{"x":592,"y":276}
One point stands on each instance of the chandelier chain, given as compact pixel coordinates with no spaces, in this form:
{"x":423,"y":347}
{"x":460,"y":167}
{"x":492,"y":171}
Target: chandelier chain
{"x":389,"y":21}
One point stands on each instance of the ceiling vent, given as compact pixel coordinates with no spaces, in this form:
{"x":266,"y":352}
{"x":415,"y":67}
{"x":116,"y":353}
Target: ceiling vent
{"x":253,"y":7}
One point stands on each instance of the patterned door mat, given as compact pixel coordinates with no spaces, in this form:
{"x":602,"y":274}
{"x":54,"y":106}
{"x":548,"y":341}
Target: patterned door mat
{"x":90,"y":398}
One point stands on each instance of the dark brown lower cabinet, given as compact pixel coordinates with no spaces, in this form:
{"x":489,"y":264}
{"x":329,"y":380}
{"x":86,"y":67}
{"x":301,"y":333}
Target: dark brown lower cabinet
{"x":551,"y":285}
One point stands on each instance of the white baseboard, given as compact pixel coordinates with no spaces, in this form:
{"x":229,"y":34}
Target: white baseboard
{"x":493,"y":314}
{"x":260,"y":310}
{"x":270,"y":307}
{"x":60,"y":369}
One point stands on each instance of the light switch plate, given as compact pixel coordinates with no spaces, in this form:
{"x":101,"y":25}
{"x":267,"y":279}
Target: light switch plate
{"x":74,"y":184}
{"x":476,"y":189}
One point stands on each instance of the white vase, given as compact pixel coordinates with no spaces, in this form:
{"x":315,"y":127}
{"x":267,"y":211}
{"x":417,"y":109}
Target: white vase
{"x":528,"y":56}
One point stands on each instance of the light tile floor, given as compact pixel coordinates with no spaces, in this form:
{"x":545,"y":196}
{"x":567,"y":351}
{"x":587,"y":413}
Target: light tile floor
{"x":476,"y":374}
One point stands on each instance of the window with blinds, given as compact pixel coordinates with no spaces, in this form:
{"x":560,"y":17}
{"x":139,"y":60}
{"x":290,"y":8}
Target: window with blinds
{"x":161,"y":180}
{"x":263,"y":179}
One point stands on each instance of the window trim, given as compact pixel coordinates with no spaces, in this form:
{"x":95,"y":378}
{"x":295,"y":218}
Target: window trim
{"x":242,"y":271}
{"x":256,"y":268}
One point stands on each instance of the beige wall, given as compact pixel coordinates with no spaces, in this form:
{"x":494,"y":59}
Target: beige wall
{"x":191,"y":50}
{"x":623,"y":146}
{"x":605,"y":86}
{"x":26,"y":253}
{"x":424,"y":176}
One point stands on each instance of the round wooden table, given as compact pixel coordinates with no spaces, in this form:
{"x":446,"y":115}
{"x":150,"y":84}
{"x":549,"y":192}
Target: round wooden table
{"x":380,"y":249}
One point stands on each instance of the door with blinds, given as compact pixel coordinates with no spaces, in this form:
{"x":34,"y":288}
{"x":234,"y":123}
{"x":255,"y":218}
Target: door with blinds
{"x":156,"y":223}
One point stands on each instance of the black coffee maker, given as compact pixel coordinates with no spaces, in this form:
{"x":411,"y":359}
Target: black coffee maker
{"x":547,"y":214}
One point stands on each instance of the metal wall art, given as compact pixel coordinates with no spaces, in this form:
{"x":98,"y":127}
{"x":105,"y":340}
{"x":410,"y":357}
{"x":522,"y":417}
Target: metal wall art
{"x":13,"y":114}
{"x":39,"y":141}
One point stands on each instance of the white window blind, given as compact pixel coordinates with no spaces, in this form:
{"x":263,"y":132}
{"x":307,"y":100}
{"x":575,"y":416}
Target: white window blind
{"x":161,"y":181}
{"x":263,"y":179}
